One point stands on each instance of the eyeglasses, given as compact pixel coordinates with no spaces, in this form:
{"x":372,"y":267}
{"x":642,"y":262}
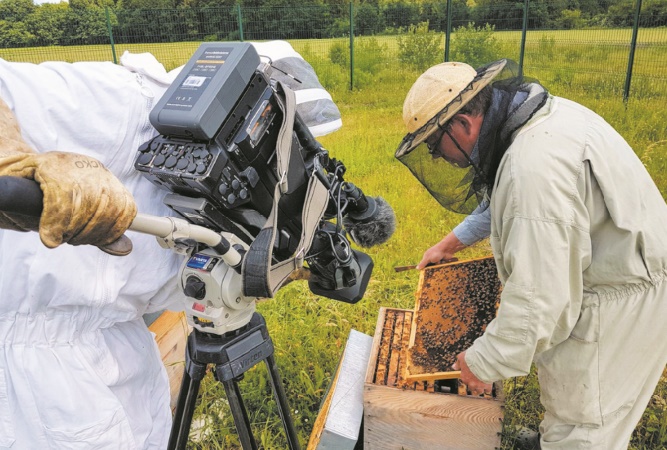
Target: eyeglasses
{"x":433,"y":143}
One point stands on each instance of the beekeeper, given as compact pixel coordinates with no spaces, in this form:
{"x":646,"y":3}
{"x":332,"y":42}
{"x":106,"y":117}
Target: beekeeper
{"x":78,"y":366}
{"x":577,"y":231}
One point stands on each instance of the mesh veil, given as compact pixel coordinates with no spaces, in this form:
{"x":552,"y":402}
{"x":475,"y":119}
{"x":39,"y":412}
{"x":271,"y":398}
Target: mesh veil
{"x":462,"y":190}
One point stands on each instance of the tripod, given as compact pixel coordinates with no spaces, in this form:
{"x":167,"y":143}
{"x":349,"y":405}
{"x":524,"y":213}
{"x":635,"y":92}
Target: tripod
{"x":232,"y":355}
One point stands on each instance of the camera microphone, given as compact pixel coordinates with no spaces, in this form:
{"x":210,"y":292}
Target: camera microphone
{"x":370,"y":221}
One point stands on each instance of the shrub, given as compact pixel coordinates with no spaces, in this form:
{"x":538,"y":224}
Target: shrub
{"x":570,"y":19}
{"x":419,"y":48}
{"x":339,"y":54}
{"x":369,"y":54}
{"x":15,"y":34}
{"x":475,"y":45}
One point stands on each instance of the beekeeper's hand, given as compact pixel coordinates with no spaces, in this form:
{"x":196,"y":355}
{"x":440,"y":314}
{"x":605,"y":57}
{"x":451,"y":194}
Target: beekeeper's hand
{"x":83,"y":202}
{"x":442,"y":252}
{"x":475,"y":385}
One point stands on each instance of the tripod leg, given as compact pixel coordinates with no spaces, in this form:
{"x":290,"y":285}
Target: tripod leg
{"x":187,"y":397}
{"x":240,"y":415}
{"x":281,"y":399}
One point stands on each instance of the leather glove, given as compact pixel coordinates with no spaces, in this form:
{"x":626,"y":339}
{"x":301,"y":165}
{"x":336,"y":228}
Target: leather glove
{"x":12,"y":143}
{"x":84,"y":203}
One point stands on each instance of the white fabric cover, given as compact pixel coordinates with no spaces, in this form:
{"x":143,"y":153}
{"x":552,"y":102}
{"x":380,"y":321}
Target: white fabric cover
{"x":78,"y":367}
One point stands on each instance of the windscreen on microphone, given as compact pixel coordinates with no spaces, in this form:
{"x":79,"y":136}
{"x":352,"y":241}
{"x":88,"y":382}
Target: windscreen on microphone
{"x":373,"y":226}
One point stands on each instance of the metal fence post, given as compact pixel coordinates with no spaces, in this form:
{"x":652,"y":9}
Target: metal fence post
{"x":240,"y":18}
{"x":351,"y":45}
{"x":113,"y":46}
{"x":524,"y":30}
{"x":631,"y":57}
{"x":448,"y":31}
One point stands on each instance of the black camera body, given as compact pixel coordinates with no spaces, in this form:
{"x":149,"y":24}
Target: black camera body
{"x":232,"y":171}
{"x":220,"y":122}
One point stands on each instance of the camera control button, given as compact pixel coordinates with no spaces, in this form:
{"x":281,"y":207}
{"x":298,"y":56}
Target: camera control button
{"x":201,"y":168}
{"x":223,"y":188}
{"x":231,"y":199}
{"x":235,"y":184}
{"x":192,"y":167}
{"x":159,"y":160}
{"x":182,"y":164}
{"x":243,"y":194}
{"x":171,"y":162}
{"x":145,"y":158}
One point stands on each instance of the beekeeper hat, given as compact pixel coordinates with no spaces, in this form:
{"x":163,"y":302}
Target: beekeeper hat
{"x":438,"y":94}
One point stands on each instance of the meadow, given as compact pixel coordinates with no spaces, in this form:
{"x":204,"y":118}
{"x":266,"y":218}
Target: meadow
{"x":309,"y":332}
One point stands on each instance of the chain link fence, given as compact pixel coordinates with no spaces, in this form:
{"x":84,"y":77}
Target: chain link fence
{"x":614,"y":49}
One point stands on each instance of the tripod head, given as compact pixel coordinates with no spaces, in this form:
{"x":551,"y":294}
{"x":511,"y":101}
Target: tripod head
{"x":210,"y":277}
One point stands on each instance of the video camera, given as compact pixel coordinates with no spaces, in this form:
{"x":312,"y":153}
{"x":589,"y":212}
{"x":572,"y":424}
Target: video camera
{"x":221,"y":125}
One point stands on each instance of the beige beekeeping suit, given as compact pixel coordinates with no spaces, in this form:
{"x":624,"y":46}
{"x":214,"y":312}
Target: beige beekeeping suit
{"x":578,"y":233}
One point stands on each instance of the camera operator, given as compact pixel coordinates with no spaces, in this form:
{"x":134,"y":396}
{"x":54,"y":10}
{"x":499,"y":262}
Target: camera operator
{"x":78,"y":367}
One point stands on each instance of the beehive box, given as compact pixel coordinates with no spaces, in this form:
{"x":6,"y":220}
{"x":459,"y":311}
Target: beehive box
{"x":412,"y":397}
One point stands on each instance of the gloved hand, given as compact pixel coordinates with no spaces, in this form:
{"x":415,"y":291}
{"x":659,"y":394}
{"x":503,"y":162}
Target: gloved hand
{"x":84,"y":203}
{"x":12,"y":143}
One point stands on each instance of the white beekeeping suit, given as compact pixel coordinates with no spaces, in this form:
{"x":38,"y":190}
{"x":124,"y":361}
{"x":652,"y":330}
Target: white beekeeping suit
{"x":78,"y":366}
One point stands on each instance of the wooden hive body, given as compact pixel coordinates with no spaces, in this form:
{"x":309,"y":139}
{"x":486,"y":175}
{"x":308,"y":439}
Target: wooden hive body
{"x":412,"y":398}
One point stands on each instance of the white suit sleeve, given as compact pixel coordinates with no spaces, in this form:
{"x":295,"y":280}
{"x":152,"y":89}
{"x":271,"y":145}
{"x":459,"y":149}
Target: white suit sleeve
{"x":542,"y":246}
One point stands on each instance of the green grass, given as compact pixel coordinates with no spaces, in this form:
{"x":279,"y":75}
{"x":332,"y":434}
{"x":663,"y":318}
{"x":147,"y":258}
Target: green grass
{"x":309,"y":332}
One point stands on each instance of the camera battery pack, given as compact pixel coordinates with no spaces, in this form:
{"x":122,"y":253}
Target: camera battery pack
{"x":206,"y":90}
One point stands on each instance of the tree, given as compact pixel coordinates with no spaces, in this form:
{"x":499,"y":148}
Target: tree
{"x":367,"y":19}
{"x":16,"y":10}
{"x":401,"y":14}
{"x":14,"y":34}
{"x":435,"y":13}
{"x":508,"y":15}
{"x":49,"y":23}
{"x":570,"y":19}
{"x":85,"y":4}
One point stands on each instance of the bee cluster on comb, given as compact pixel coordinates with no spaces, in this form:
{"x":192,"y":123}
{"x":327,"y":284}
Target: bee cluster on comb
{"x":455,"y":303}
